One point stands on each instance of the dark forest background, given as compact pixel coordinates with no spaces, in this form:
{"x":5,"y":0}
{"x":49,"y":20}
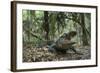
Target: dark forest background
{"x":40,"y":26}
{"x":44,"y":27}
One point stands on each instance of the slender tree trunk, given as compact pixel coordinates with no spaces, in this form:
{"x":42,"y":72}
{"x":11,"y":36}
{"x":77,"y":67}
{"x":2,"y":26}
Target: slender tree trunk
{"x":84,"y":34}
{"x":28,"y":18}
{"x":46,"y":25}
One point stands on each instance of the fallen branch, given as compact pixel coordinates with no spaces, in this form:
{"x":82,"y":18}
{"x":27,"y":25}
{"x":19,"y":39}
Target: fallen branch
{"x":34,"y":35}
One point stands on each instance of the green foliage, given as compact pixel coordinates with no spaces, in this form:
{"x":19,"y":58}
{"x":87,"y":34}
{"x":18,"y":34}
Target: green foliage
{"x":58,"y":23}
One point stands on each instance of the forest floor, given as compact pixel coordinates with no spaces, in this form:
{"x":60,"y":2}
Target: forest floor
{"x":31,"y":54}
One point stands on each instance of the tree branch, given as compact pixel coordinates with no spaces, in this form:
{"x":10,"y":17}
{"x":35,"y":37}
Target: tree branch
{"x":32,"y":34}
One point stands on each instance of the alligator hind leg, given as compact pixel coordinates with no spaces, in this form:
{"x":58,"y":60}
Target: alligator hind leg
{"x":73,"y":49}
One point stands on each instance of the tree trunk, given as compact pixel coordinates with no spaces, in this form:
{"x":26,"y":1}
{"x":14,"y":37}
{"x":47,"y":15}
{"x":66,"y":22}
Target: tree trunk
{"x":84,"y":34}
{"x":46,"y":25}
{"x":29,"y":22}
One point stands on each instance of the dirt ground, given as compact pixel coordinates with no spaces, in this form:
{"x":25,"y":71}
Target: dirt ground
{"x":31,"y":54}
